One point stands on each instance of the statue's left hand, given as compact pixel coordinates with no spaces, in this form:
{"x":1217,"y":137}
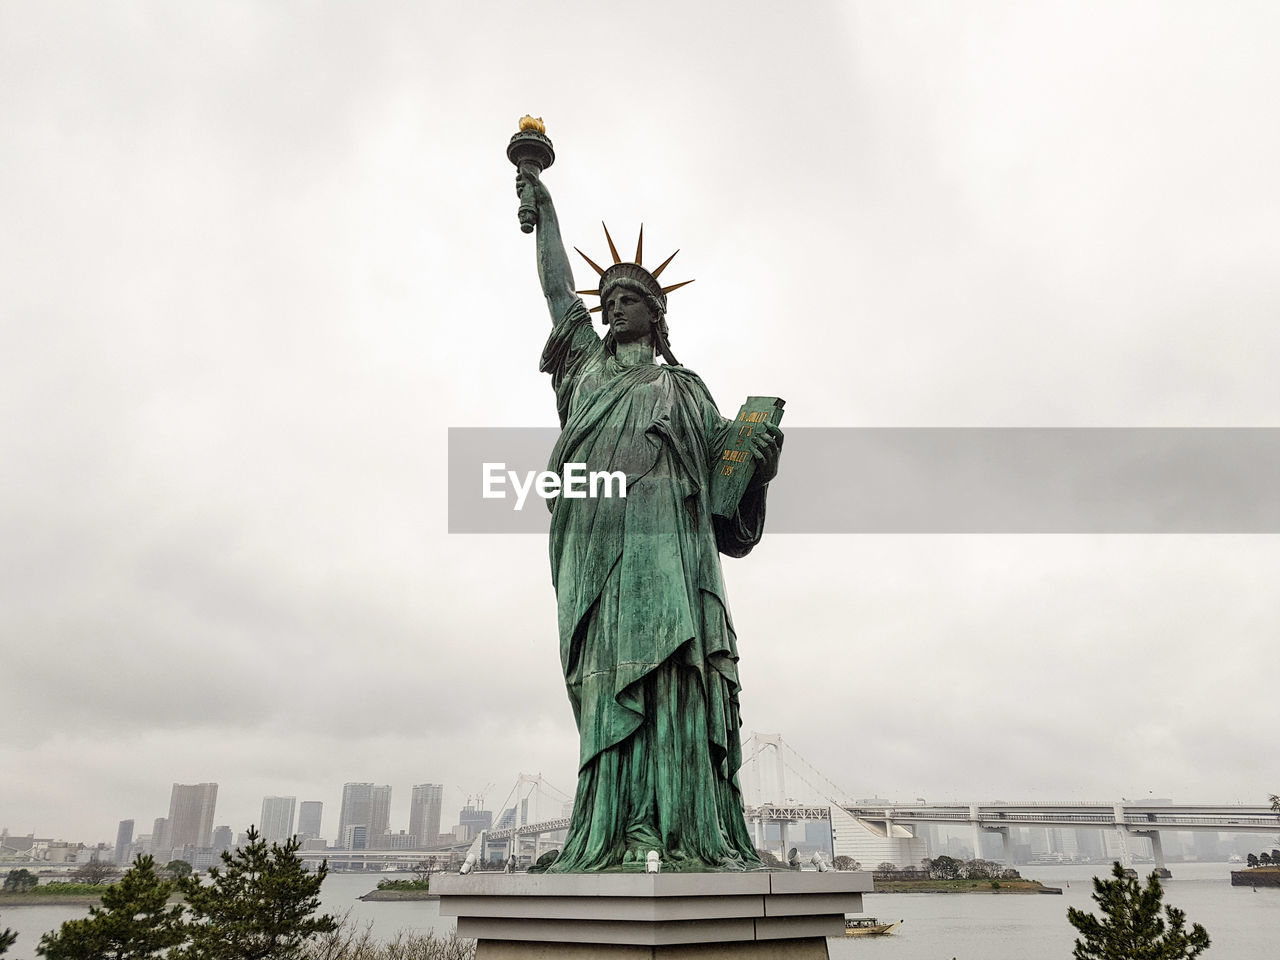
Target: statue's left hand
{"x":766,"y":448}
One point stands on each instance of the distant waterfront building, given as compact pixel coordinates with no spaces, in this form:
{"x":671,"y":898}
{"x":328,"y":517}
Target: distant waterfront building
{"x":397,"y":841}
{"x":124,"y":840}
{"x":310,"y":813}
{"x":355,"y":837}
{"x":191,"y":808}
{"x":221,"y":839}
{"x":381,"y":818}
{"x":160,"y":845}
{"x":276,"y":823}
{"x":850,"y":838}
{"x":365,"y":805}
{"x":424,"y":813}
{"x":475,"y":820}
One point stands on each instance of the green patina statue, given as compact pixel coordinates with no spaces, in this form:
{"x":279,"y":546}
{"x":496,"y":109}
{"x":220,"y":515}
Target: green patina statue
{"x":646,"y":641}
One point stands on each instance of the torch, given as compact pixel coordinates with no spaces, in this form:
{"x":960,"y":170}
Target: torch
{"x":530,"y":145}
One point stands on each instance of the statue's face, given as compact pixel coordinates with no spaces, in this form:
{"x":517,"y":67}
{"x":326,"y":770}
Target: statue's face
{"x":628,"y":314}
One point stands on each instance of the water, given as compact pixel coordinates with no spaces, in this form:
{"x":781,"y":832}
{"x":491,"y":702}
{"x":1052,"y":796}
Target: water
{"x":1242,"y":924}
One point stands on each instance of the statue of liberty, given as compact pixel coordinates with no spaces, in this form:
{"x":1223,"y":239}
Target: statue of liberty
{"x":647,"y":644}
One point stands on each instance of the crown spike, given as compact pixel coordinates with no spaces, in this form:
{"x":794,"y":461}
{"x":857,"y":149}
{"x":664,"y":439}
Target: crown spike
{"x":663,"y":265}
{"x":640,"y":247}
{"x":594,"y":266}
{"x":596,"y":309}
{"x":594,"y":293}
{"x":612,"y":249}
{"x":676,"y":286}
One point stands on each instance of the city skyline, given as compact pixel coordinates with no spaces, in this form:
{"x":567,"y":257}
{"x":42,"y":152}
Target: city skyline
{"x":253,"y":283}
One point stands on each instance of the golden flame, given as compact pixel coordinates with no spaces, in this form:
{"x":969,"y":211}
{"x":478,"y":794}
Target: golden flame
{"x":532,"y":123}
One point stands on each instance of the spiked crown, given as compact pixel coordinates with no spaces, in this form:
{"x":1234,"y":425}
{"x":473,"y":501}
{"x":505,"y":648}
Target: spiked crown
{"x":620,"y":270}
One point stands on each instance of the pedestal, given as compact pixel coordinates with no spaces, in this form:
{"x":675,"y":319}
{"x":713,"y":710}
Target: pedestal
{"x":785,"y":915}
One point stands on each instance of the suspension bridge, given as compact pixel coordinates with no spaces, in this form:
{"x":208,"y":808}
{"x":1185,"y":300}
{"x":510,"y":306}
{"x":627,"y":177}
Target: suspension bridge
{"x":782,"y":789}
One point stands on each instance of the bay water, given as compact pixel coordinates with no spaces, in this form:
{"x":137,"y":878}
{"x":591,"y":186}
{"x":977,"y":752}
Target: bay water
{"x":1243,"y":924}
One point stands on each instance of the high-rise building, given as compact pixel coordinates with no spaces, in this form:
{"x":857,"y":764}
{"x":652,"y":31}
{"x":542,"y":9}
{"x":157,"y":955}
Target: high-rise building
{"x":309,"y":815}
{"x":475,"y":820}
{"x":160,"y":845}
{"x":191,"y":814}
{"x":364,"y":805}
{"x":381,"y":819}
{"x":424,"y":813}
{"x":124,"y":837}
{"x":355,"y":836}
{"x":276,"y":823}
{"x":221,"y":838}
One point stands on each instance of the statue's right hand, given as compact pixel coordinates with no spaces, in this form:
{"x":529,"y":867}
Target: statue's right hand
{"x":529,"y":185}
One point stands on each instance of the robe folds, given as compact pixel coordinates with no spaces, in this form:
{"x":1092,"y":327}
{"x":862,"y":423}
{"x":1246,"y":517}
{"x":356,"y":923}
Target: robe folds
{"x":647,"y":645}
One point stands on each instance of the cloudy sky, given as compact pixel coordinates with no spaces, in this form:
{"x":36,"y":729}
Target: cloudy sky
{"x":258,"y":258}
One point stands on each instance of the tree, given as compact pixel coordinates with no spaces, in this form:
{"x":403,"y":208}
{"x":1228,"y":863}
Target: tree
{"x":177,"y":869}
{"x":1251,"y":860}
{"x":944,"y":868}
{"x":1131,"y":927}
{"x":976,"y":870}
{"x":20,"y":881}
{"x":887,"y":867}
{"x":425,"y":868}
{"x":258,"y":906}
{"x":95,"y":872}
{"x":844,"y":862}
{"x":1264,"y":858}
{"x":7,"y":938}
{"x":135,"y":921}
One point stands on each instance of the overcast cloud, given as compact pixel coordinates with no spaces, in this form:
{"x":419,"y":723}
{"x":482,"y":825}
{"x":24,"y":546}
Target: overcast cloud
{"x":259,"y":257}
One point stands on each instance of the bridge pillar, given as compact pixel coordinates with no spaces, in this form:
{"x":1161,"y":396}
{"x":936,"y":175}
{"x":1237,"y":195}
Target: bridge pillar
{"x":1006,"y":844}
{"x":1157,"y":848}
{"x":1126,"y":854}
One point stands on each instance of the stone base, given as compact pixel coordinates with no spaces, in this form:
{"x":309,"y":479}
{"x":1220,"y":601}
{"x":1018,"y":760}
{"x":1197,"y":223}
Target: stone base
{"x":782,"y":915}
{"x":808,"y":948}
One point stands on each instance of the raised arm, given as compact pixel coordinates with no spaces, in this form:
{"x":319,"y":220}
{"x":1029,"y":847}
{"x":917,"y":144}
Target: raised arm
{"x":553,"y":262}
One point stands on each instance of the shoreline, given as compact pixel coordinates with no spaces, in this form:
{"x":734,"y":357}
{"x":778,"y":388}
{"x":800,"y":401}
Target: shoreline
{"x":50,"y":900}
{"x":1018,"y":887}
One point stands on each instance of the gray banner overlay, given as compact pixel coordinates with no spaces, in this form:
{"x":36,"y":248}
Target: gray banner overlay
{"x":950,"y":480}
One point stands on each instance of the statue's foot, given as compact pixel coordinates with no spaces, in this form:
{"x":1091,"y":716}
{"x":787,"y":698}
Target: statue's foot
{"x":630,"y":856}
{"x":732,"y":864}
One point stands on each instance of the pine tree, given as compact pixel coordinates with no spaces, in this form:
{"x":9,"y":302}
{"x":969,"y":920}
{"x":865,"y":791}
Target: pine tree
{"x":134,"y":922}
{"x":7,"y":937}
{"x":259,"y":905}
{"x":1131,"y":927}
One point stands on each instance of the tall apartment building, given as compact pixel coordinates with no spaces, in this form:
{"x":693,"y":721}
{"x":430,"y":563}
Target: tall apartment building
{"x":222,"y":838}
{"x":424,"y":813}
{"x":310,"y":813}
{"x":276,"y":823}
{"x":366,"y":805}
{"x":124,"y":838}
{"x":191,"y":814}
{"x":160,"y":845}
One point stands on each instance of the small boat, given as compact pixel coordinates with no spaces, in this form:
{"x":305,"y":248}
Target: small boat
{"x":867,"y":927}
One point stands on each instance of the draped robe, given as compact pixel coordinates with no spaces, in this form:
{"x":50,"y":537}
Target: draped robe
{"x":646,"y":641}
